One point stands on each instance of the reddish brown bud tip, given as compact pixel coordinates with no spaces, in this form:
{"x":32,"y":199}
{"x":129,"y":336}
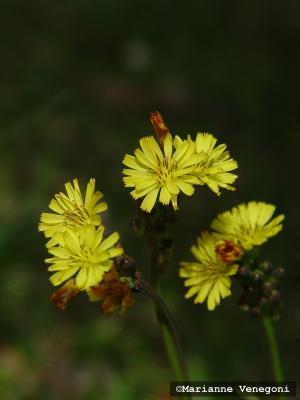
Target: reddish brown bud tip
{"x":229,"y":251}
{"x":63,"y":295}
{"x":159,"y":126}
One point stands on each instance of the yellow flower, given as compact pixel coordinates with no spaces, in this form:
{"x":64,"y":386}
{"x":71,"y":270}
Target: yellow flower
{"x":208,"y":277}
{"x":249,"y":224}
{"x":154,"y":172}
{"x":84,"y":255}
{"x":215,"y":163}
{"x":72,"y":211}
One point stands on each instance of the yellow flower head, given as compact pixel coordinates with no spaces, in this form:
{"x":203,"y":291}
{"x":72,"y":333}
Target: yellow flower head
{"x":72,"y":211}
{"x":84,"y":255}
{"x":249,"y":224}
{"x":209,"y":276}
{"x":161,"y":172}
{"x":215,"y":164}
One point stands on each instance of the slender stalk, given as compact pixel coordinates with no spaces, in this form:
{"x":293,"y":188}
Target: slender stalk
{"x":170,"y":333}
{"x":171,"y":337}
{"x":274,"y":351}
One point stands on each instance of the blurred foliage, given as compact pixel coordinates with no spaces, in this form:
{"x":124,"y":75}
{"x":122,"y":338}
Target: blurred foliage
{"x":78,"y":80}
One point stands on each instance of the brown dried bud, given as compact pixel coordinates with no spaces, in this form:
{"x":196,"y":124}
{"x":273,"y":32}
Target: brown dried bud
{"x":115,"y":295}
{"x":159,"y":126}
{"x":125,"y":265}
{"x":63,"y":295}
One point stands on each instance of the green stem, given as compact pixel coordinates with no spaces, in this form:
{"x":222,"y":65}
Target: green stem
{"x":274,"y":351}
{"x":169,"y":332}
{"x":160,"y":245}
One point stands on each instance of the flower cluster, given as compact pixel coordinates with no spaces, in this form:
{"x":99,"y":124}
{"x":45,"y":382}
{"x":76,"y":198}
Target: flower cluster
{"x":162,"y":168}
{"x":219,"y":254}
{"x":83,"y":258}
{"x":80,"y":254}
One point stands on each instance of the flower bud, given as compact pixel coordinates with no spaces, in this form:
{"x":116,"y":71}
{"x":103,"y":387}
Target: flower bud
{"x":228,"y":251}
{"x":258,"y":276}
{"x":267,"y":287}
{"x":275,"y":295}
{"x":114,"y":293}
{"x":64,"y":294}
{"x":159,"y":126}
{"x":244,"y":274}
{"x":266,"y":266}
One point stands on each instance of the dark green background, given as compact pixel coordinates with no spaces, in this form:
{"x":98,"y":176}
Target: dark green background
{"x":78,"y":81}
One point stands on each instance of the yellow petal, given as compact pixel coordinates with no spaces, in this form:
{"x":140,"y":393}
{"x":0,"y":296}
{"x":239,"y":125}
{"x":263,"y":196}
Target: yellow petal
{"x":81,"y":278}
{"x":49,"y":218}
{"x":149,"y":200}
{"x":133,"y":163}
{"x":168,"y":146}
{"x":186,"y":188}
{"x":164,"y":196}
{"x":110,"y":241}
{"x":90,"y":189}
{"x":55,"y":206}
{"x":61,"y":276}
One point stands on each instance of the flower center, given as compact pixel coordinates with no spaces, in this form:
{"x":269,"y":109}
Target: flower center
{"x":76,"y":216}
{"x":204,"y":164}
{"x":165,"y":169}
